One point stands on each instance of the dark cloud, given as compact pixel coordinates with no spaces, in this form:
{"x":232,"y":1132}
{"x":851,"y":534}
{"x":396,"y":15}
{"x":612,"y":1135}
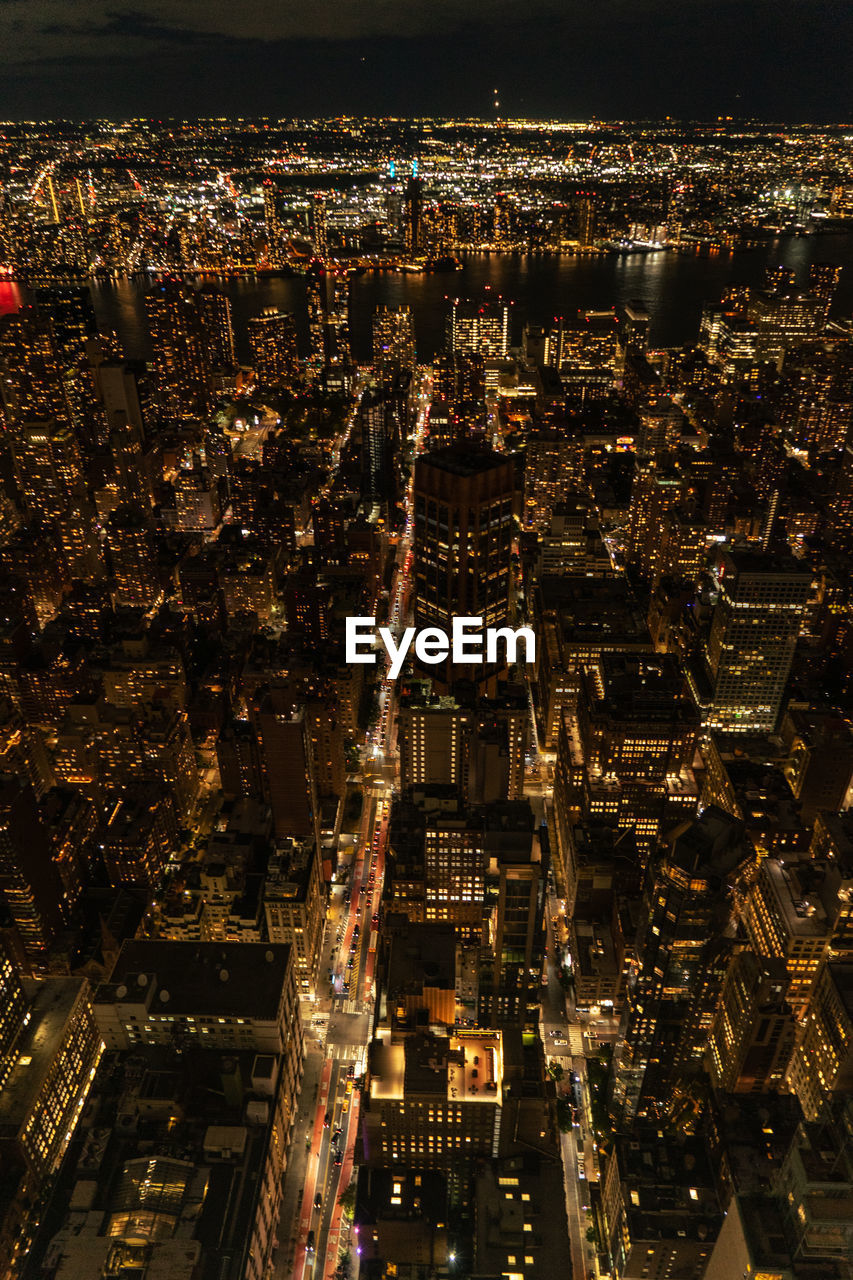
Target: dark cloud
{"x":785,"y":59}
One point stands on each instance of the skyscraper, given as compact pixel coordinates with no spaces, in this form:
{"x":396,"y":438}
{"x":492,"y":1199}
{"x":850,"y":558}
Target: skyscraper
{"x":33,"y":382}
{"x":28,"y":880}
{"x":289,"y":781}
{"x":412,"y":214}
{"x":760,"y":604}
{"x":754,"y":1030}
{"x":380,"y":439}
{"x":48,"y":466}
{"x":336,"y":329}
{"x":216,"y":318}
{"x":823,"y":281}
{"x":320,"y":232}
{"x":272,"y":221}
{"x":272,"y":339}
{"x":464,"y":522}
{"x":133,"y":557}
{"x":479,"y":328}
{"x":586,"y":218}
{"x":70,"y":311}
{"x":393,"y":339}
{"x":654,"y":492}
{"x":181,"y":361}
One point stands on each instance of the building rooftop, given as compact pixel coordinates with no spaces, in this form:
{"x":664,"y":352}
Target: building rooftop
{"x":801,"y":910}
{"x":460,"y":461}
{"x":423,"y":956}
{"x":667,"y":1186}
{"x":641,"y":687}
{"x":170,"y":1188}
{"x":475,"y":1067}
{"x":236,"y":979}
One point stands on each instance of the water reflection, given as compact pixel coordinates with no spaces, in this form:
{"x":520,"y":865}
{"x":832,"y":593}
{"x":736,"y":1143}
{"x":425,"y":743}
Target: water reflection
{"x":673,"y":286}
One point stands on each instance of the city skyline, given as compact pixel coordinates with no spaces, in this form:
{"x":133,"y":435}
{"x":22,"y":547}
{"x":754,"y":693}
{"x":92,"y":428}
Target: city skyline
{"x":426,"y":699}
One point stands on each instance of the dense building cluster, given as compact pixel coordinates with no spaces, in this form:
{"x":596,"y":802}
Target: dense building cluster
{"x":495,"y":969}
{"x":252,"y":195}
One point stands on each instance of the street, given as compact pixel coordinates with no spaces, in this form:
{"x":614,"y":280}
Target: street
{"x":339,"y":1018}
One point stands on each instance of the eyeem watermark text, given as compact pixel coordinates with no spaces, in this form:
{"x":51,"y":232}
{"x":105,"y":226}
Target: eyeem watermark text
{"x":467,"y":644}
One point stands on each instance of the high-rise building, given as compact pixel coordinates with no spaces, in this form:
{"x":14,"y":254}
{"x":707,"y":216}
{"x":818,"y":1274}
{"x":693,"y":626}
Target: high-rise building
{"x":14,"y":1005}
{"x":48,"y":466}
{"x":329,"y":525}
{"x":306,"y":606}
{"x":425,"y":1108}
{"x":56,"y":1055}
{"x":319,"y":227}
{"x":819,"y":767}
{"x":754,"y":1031}
{"x":220,"y":995}
{"x":516,"y":879}
{"x":379,"y":423}
{"x":823,"y":282}
{"x":572,"y":542}
{"x":660,"y":1208}
{"x":33,"y":383}
{"x":133,"y":558}
{"x":138,"y":837}
{"x":293,"y":906}
{"x":272,"y":340}
{"x":28,"y":879}
{"x":216,"y":318}
{"x":336,"y":332}
{"x":119,"y":386}
{"x":77,"y":532}
{"x":273,"y":224}
{"x":181,"y":362}
{"x":70,"y":311}
{"x":683,"y":538}
{"x":553,"y":468}
{"x":413,"y":214}
{"x":477,"y":746}
{"x":635,"y":326}
{"x":586,"y":218}
{"x":782,"y":320}
{"x":761,"y":601}
{"x":393,"y":339}
{"x":680,"y":965}
{"x":654,"y":491}
{"x":479,"y":328}
{"x":287,"y":760}
{"x":779,"y":279}
{"x":784,"y":920}
{"x":23,"y":753}
{"x":823,"y":1061}
{"x":464,"y":504}
{"x":315,"y":300}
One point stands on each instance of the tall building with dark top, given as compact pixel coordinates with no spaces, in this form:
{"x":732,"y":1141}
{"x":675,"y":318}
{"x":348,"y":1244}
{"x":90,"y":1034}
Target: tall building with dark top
{"x":28,"y":882}
{"x":413,"y":210}
{"x":464,"y":505}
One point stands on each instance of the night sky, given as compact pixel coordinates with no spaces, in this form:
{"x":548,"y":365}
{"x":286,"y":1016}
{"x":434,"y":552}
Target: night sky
{"x":548,"y":58}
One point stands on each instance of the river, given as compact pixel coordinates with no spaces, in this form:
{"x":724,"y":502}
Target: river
{"x":673,"y":286}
